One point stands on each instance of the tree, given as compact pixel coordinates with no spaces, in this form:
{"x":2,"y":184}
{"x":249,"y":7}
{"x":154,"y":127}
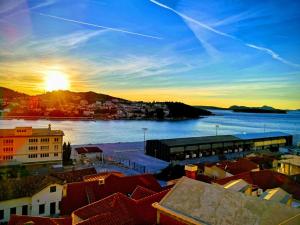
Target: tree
{"x":67,"y":149}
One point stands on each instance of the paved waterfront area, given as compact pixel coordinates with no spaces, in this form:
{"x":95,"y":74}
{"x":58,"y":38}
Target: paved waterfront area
{"x":128,"y":151}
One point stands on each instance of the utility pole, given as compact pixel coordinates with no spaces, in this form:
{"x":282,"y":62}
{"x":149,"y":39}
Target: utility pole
{"x":144,"y":130}
{"x":217,"y":127}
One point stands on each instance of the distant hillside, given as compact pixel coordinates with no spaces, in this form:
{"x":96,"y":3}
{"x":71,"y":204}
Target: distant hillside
{"x":10,"y":94}
{"x":59,"y":97}
{"x":263,"y":109}
{"x":210,"y":107}
{"x":180,"y":110}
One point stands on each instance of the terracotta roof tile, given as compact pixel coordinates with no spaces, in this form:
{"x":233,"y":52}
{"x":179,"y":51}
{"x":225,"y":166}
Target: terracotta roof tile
{"x":77,"y":197}
{"x":266,"y":179}
{"x":21,"y":220}
{"x":236,"y":167}
{"x":141,"y":192}
{"x":74,"y":175}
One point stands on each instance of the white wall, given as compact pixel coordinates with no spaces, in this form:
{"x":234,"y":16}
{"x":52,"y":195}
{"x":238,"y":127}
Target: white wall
{"x":42,"y":197}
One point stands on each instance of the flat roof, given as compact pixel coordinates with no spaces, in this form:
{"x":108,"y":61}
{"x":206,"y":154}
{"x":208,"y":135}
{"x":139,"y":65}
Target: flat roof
{"x":218,"y":139}
{"x":198,"y":140}
{"x":249,"y":136}
{"x":35,"y":132}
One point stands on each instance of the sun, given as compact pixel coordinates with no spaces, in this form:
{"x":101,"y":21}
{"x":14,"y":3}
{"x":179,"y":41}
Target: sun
{"x":56,"y":80}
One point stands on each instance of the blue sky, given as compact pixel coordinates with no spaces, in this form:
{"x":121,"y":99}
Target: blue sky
{"x":221,"y":52}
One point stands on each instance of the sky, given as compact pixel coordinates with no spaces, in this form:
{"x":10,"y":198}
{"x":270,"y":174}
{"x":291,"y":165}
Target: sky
{"x":221,"y":53}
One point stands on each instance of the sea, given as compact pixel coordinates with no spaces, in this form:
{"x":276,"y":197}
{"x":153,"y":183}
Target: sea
{"x":114,"y":131}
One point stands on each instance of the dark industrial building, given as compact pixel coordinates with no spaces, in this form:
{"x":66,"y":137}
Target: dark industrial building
{"x":197,"y":147}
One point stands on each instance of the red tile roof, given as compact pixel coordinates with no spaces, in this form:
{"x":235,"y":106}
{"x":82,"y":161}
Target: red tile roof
{"x":80,"y":194}
{"x":120,"y":209}
{"x":266,"y":179}
{"x":74,"y":175}
{"x":236,"y":167}
{"x":102,"y":175}
{"x":21,"y":220}
{"x":141,"y":192}
{"x":84,"y":150}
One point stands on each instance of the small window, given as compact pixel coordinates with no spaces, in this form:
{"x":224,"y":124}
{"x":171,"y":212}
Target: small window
{"x":42,"y":209}
{"x":13,"y":210}
{"x":25,"y":210}
{"x":53,"y":189}
{"x":1,"y":214}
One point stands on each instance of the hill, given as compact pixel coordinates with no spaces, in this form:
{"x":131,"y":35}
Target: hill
{"x":10,"y":94}
{"x":263,"y":109}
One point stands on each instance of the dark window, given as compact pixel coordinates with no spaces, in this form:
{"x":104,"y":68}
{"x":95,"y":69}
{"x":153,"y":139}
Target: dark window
{"x":53,"y":189}
{"x":1,"y":214}
{"x":25,"y":210}
{"x":42,"y":209}
{"x":52,"y":208}
{"x":13,"y":210}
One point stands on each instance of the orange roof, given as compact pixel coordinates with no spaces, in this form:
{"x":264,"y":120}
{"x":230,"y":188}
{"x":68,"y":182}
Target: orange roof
{"x":239,"y":166}
{"x":104,"y":175}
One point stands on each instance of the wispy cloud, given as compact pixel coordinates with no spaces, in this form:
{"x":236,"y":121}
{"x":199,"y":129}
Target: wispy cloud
{"x":99,"y":26}
{"x":210,"y":28}
{"x":273,"y":54}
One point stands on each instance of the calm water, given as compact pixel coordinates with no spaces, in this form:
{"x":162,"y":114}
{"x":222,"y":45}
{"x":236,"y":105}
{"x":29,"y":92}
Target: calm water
{"x":85,"y":132}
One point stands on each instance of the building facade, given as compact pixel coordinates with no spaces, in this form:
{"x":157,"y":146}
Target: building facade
{"x":28,"y":145}
{"x":197,"y":147}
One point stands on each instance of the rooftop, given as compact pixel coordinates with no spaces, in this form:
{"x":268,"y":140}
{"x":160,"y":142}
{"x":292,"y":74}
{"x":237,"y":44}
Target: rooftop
{"x":220,"y":138}
{"x":204,"y":203}
{"x":277,"y":195}
{"x":291,"y":159}
{"x":266,"y":179}
{"x":237,"y":167}
{"x":84,"y":150}
{"x":248,"y":136}
{"x":30,"y":132}
{"x":22,"y":220}
{"x":75,"y":175}
{"x":198,"y":140}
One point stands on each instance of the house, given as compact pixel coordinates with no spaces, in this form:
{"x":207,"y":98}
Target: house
{"x":88,"y":153}
{"x":277,"y":195}
{"x":36,"y":220}
{"x":80,"y":194}
{"x":120,"y":209}
{"x":229,"y":168}
{"x":194,"y":202}
{"x":265,"y":179}
{"x":32,"y":195}
{"x":36,"y":195}
{"x":289,"y":165}
{"x":240,"y":186}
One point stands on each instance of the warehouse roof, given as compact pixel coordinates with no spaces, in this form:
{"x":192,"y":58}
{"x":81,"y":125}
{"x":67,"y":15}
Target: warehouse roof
{"x":198,"y":140}
{"x":218,"y":139}
{"x":248,"y":136}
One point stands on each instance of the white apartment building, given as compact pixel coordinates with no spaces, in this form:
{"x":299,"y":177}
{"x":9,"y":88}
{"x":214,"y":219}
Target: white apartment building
{"x":29,"y":145}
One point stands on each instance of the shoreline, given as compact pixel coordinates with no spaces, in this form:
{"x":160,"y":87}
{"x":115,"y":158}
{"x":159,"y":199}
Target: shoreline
{"x":28,"y":118}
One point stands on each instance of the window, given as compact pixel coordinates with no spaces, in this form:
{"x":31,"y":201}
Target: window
{"x":33,"y":147}
{"x":25,"y":210}
{"x":55,"y":154}
{"x":53,"y":189}
{"x":42,"y":209}
{"x":13,"y":210}
{"x":44,"y":147}
{"x":32,"y":156}
{"x":33,"y":140}
{"x":1,"y":214}
{"x":44,"y":139}
{"x":43,"y":155}
{"x":8,"y":141}
{"x":8,"y":157}
{"x":8,"y":149}
{"x":55,"y":147}
{"x":55,"y":139}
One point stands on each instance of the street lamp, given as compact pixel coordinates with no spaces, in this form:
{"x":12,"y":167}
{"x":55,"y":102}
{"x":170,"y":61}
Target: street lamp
{"x":217,"y":127}
{"x":144,"y":130}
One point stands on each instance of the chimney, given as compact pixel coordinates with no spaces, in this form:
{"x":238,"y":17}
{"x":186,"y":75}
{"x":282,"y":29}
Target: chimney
{"x":49,"y":128}
{"x":191,"y":171}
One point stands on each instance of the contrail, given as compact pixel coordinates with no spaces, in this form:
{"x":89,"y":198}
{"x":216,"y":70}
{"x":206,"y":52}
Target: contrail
{"x":265,"y":50}
{"x":99,"y":26}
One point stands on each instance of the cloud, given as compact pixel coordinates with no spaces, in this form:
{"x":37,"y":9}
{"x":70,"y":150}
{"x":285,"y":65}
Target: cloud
{"x":210,"y":28}
{"x":273,"y":54}
{"x":99,"y":26}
